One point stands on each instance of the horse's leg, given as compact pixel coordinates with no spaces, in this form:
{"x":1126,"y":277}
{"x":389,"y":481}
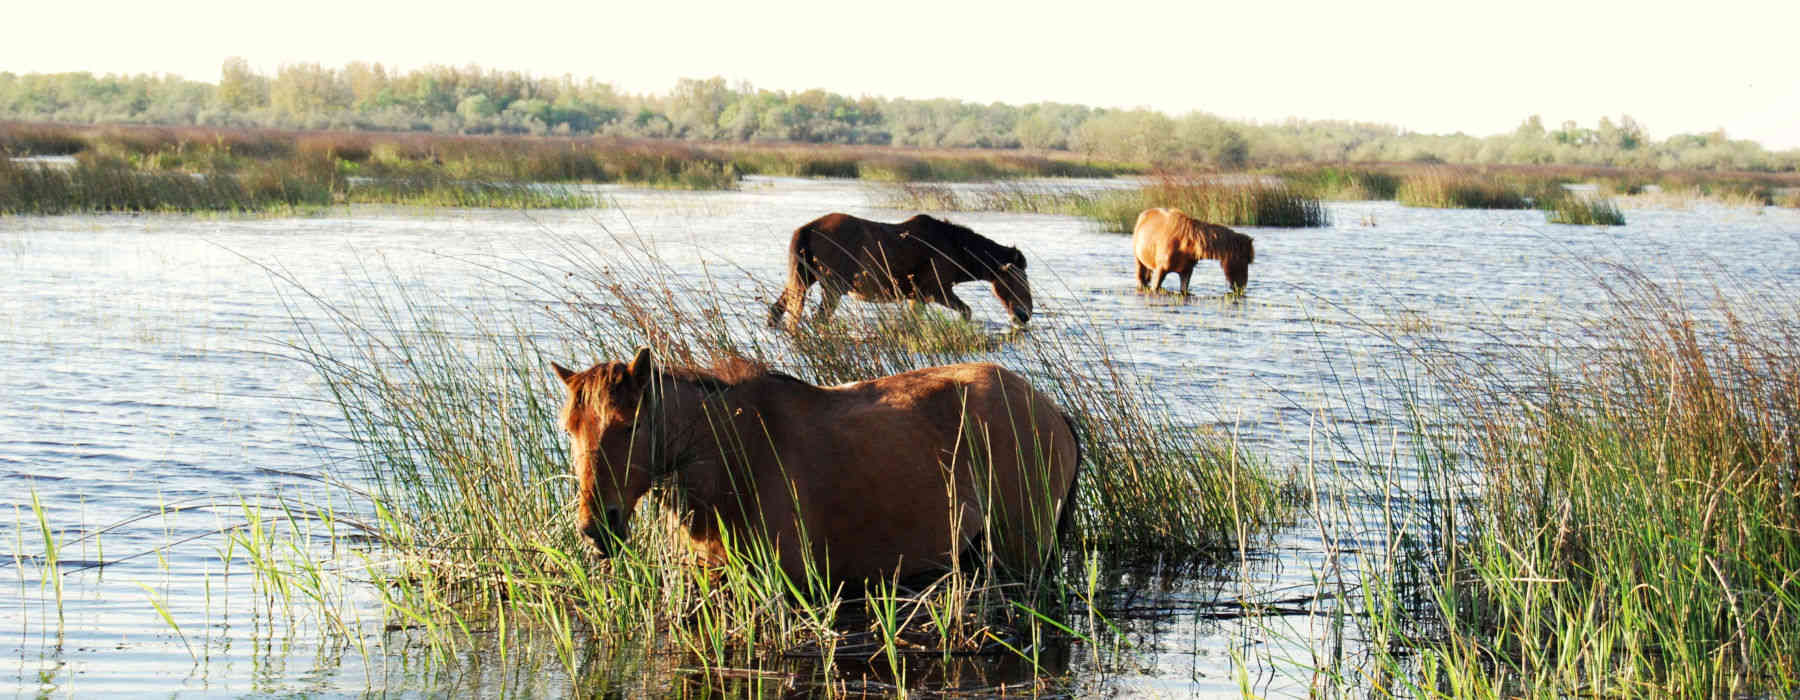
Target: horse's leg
{"x":1160,"y":274}
{"x":1186,"y":272}
{"x":1143,"y":277}
{"x":829,"y":295}
{"x":1238,"y":276}
{"x":792,"y":302}
{"x":951,"y":300}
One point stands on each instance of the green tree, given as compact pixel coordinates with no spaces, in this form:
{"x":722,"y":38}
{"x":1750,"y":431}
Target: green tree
{"x":241,"y":89}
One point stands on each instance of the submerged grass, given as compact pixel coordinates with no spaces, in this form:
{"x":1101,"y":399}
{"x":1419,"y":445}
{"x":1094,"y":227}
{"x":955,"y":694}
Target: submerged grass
{"x":1632,"y":523}
{"x":454,"y":410}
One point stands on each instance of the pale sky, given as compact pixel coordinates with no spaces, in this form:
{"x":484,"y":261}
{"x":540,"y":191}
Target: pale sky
{"x":1434,"y":67}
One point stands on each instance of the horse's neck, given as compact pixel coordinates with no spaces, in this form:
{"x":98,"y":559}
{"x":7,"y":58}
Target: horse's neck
{"x":705,"y":428}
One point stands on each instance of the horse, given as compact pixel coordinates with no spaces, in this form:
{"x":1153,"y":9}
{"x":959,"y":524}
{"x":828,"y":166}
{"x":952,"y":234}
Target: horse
{"x":1168,"y":240}
{"x":919,"y":259}
{"x":895,"y":476}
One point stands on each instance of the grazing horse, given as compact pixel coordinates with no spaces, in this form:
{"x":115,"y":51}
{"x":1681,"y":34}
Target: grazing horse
{"x":887,"y":477}
{"x":1168,"y":240}
{"x":919,"y":259}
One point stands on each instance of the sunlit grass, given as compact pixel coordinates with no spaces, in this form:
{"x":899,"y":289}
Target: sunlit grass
{"x":1581,"y":211}
{"x":1610,"y":515}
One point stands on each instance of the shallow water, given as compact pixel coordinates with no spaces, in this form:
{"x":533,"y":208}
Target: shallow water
{"x":146,"y":373}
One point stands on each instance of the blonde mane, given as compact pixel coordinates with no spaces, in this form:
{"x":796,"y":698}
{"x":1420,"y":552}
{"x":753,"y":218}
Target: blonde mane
{"x":1212,"y":241}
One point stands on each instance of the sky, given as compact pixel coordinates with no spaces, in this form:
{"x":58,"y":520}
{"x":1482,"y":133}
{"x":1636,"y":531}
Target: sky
{"x":1434,"y":67}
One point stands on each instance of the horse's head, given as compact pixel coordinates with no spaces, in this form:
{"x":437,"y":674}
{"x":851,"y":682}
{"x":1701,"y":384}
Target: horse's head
{"x":1011,"y":285}
{"x":610,"y":442}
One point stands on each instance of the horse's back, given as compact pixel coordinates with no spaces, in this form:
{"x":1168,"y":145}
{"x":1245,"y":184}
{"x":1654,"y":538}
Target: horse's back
{"x":901,"y":456}
{"x":1155,"y":237}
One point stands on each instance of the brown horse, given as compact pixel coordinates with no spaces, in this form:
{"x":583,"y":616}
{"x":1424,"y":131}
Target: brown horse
{"x":1168,"y":240}
{"x":891,"y":476}
{"x":919,"y":259}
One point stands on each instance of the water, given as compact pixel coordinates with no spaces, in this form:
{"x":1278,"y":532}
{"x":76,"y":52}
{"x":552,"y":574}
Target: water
{"x":147,"y":375}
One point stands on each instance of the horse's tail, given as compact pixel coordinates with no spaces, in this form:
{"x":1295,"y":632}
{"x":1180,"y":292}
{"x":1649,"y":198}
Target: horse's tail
{"x":800,"y":275}
{"x":1065,"y":516}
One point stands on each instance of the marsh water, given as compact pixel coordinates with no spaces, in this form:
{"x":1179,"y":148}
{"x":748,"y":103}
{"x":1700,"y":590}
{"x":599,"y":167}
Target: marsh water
{"x":152,"y":400}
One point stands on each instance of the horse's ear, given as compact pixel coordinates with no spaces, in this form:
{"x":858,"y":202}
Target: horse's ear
{"x":1018,"y":258}
{"x":641,"y":365}
{"x":565,"y":374}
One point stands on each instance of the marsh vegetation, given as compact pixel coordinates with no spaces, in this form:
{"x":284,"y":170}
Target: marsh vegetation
{"x":1586,"y":486}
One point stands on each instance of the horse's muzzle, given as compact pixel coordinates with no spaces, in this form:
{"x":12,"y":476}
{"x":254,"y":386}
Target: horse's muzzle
{"x":611,"y":536}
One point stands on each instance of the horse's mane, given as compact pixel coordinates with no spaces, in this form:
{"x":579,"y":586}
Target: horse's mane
{"x":726,"y":372}
{"x":973,"y":250}
{"x":1213,"y":242}
{"x":594,"y":387}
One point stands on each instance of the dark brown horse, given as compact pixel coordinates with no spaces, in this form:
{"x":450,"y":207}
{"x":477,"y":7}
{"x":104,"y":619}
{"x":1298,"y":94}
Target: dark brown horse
{"x":1168,"y":240}
{"x":892,"y":476}
{"x":919,"y":259}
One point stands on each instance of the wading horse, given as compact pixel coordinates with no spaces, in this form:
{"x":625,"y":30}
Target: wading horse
{"x":1168,"y":240}
{"x":893,"y":476}
{"x":919,"y":259}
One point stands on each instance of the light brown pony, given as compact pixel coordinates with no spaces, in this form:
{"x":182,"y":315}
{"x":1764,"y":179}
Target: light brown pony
{"x":891,"y":476}
{"x":919,"y":259}
{"x":1168,"y":240}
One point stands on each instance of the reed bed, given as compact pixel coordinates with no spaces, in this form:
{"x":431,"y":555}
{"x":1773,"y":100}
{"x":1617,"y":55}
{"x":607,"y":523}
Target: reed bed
{"x":1251,"y":203}
{"x":101,"y":184}
{"x":454,"y":409}
{"x":110,"y":186}
{"x":1443,"y":189}
{"x":1343,"y":183}
{"x":1616,"y":517}
{"x":1582,"y":211}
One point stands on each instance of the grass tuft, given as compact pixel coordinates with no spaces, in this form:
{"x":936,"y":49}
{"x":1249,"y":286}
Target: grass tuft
{"x":1581,"y":211}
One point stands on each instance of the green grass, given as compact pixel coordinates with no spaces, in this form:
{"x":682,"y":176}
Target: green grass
{"x":1343,"y":183}
{"x":1630,"y":530}
{"x":1584,"y":211}
{"x":103,"y":185}
{"x":1444,"y":189}
{"x":445,"y":193}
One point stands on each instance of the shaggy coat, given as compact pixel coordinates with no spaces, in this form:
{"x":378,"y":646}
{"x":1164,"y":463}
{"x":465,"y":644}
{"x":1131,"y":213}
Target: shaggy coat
{"x":1168,"y":240}
{"x":919,"y":259}
{"x":896,"y":475}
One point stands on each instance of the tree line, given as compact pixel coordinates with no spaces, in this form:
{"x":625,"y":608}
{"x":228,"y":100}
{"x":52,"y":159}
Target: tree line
{"x":472,"y":100}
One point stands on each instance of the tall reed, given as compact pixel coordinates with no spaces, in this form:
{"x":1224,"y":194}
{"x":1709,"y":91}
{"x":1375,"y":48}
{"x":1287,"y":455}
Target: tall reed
{"x":1444,"y":189}
{"x":1633,"y":530}
{"x":1582,"y":211}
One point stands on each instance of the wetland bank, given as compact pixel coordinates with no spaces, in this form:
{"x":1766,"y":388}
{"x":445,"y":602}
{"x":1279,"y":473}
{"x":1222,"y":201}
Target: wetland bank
{"x":265,"y":428}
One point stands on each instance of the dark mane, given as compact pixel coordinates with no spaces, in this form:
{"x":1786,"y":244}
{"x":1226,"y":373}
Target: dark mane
{"x":972,"y":250}
{"x":725,"y":373}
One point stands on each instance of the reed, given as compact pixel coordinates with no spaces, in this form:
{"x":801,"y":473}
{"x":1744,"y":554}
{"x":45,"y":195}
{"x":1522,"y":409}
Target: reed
{"x":1343,"y":183}
{"x":1581,"y":211}
{"x":1444,"y":189}
{"x":1630,"y":528}
{"x":104,"y":185}
{"x":438,"y":192}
